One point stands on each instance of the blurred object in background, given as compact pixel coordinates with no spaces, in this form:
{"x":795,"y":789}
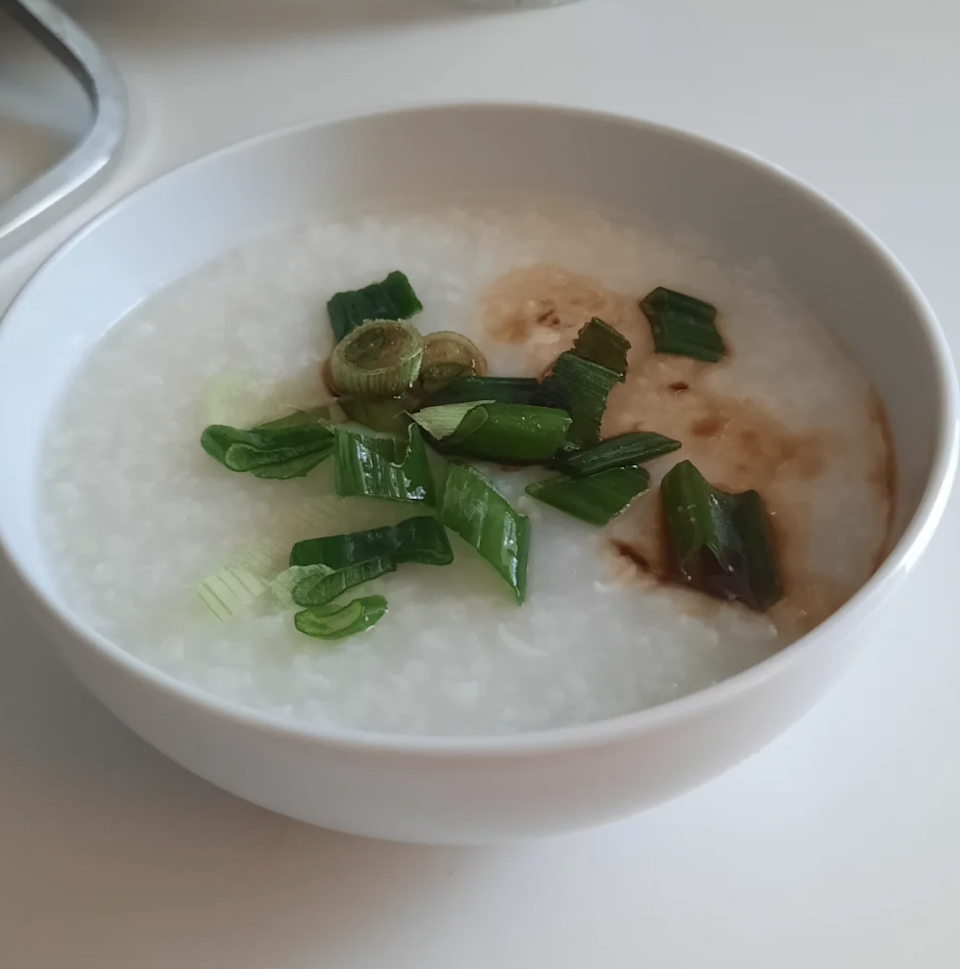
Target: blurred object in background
{"x":84,"y":164}
{"x":511,"y":4}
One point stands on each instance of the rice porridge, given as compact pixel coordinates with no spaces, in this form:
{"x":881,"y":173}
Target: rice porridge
{"x":136,"y":514}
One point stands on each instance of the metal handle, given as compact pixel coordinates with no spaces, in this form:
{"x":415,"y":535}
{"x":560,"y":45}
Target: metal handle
{"x":69,"y":180}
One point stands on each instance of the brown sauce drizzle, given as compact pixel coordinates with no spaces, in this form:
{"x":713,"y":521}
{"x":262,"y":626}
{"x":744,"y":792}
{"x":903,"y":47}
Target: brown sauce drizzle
{"x":634,"y":555}
{"x":736,"y":443}
{"x":542,"y":308}
{"x":632,"y":566}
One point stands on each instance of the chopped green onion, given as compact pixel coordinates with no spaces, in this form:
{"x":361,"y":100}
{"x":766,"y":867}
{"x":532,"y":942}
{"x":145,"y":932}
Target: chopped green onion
{"x":443,"y":421}
{"x":596,"y":498}
{"x":294,"y":468}
{"x":449,"y":356}
{"x":230,"y":591}
{"x":618,"y":452}
{"x":379,"y":359}
{"x":331,"y":413}
{"x":391,"y":299}
{"x":580,"y":387}
{"x":421,"y":540}
{"x":317,"y":589}
{"x":581,"y":379}
{"x":600,"y":343}
{"x":683,"y":326}
{"x":499,"y":390}
{"x":269,"y":452}
{"x":283,"y":585}
{"x":338,"y":622}
{"x":270,"y":555}
{"x":471,"y":507}
{"x":512,"y":434}
{"x":472,"y":421}
{"x":719,"y":543}
{"x":752,"y":525}
{"x":382,"y":467}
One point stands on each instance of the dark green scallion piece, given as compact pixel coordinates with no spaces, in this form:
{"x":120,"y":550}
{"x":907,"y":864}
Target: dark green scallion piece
{"x":319,"y":589}
{"x":445,"y":421}
{"x":683,"y":326}
{"x":338,"y":622}
{"x":269,"y":452}
{"x":618,"y":452}
{"x":505,"y":433}
{"x":596,"y":498}
{"x":382,"y":467}
{"x":600,"y":343}
{"x":474,"y":417}
{"x":421,"y":540}
{"x":327,"y":413}
{"x":391,"y":299}
{"x":498,"y":390}
{"x":719,"y":543}
{"x":482,"y":517}
{"x":580,"y":387}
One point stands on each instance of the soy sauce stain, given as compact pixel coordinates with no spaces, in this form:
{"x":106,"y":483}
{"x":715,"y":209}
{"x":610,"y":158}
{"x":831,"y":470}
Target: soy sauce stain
{"x":634,"y":555}
{"x":542,"y":307}
{"x":737,"y":444}
{"x":706,"y":427}
{"x":550,"y":317}
{"x":634,"y":565}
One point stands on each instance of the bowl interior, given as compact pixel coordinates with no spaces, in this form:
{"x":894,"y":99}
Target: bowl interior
{"x":642,"y":171}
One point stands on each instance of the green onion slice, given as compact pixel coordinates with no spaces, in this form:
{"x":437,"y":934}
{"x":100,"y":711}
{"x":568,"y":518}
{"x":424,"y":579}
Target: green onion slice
{"x":421,"y":540}
{"x":449,"y":356}
{"x":683,"y":326}
{"x":331,"y":413}
{"x":283,"y":584}
{"x":499,"y":390}
{"x":580,"y":387}
{"x":596,"y":498}
{"x":230,"y":591}
{"x":472,"y":421}
{"x":379,"y":359}
{"x":512,"y":434}
{"x":269,"y":452}
{"x":382,"y":467}
{"x":506,"y":433}
{"x":618,"y":452}
{"x":269,"y":556}
{"x":338,"y":622}
{"x":481,"y":516}
{"x":600,"y":343}
{"x":391,"y":299}
{"x":445,"y":420}
{"x":318,"y":588}
{"x":719,"y":543}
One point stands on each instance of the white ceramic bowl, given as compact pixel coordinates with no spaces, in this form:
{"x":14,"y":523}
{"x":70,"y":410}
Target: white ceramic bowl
{"x":475,"y":790}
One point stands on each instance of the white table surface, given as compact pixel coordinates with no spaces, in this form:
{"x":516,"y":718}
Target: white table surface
{"x":837,"y":846}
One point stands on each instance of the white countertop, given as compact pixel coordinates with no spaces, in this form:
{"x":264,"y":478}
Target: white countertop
{"x":837,"y":846}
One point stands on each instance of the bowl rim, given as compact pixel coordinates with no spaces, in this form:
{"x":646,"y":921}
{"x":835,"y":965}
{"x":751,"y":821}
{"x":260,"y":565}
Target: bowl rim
{"x":897,"y":563}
